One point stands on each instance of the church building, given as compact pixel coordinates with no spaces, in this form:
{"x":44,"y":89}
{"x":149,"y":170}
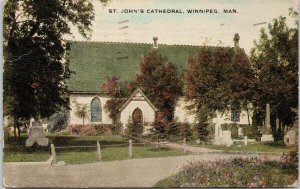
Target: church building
{"x":93,"y":62}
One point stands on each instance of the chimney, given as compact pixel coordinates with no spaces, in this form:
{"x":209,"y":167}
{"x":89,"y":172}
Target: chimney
{"x":155,"y":45}
{"x":236,"y":41}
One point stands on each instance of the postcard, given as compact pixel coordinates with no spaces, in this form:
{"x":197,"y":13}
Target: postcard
{"x":150,"y":93}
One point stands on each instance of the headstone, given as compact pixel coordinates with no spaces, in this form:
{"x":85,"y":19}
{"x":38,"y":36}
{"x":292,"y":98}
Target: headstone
{"x":226,"y":138}
{"x":36,"y":134}
{"x":267,"y":132}
{"x":246,"y":140}
{"x":290,"y":137}
{"x":198,"y":141}
{"x":240,"y":132}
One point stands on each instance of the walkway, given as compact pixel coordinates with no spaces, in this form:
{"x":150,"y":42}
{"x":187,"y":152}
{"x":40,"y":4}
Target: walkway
{"x":128,"y":173}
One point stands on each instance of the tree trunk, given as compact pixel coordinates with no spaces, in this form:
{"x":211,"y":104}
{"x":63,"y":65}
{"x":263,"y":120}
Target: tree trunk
{"x":15,"y":126}
{"x":83,"y":121}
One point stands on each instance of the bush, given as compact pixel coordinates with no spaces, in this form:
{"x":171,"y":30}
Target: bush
{"x":90,"y":129}
{"x":117,"y":128}
{"x":82,"y":129}
{"x":248,"y":130}
{"x":58,"y":121}
{"x":135,"y":130}
{"x":179,"y":130}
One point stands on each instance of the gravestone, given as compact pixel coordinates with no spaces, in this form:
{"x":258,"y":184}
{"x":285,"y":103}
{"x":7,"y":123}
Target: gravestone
{"x":240,"y":132}
{"x":226,"y":138}
{"x":36,"y":134}
{"x":290,"y":138}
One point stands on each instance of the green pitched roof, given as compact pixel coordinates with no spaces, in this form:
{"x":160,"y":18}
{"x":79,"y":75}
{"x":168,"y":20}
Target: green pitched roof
{"x":94,"y":61}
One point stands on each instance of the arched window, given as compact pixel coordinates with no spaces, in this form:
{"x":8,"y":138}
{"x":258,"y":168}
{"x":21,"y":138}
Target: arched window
{"x":96,"y":110}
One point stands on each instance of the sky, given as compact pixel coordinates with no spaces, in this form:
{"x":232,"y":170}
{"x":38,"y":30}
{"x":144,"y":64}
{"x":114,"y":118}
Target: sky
{"x":188,"y":29}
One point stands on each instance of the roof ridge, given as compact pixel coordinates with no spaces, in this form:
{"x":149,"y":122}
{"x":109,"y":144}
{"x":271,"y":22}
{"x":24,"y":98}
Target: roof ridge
{"x":141,"y":43}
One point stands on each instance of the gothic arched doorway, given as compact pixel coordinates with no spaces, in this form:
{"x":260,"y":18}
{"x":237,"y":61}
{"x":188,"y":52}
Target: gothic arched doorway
{"x":137,"y":120}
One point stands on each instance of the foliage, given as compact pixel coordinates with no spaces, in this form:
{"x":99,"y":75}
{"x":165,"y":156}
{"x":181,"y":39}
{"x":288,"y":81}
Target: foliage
{"x":159,"y":79}
{"x":159,"y":127}
{"x":238,"y":172}
{"x":81,"y":111}
{"x":133,"y":129}
{"x":117,"y":128}
{"x":218,"y":79}
{"x":275,"y":60}
{"x":112,"y":106}
{"x":35,"y":63}
{"x":251,"y":131}
{"x":82,"y":129}
{"x":119,"y":91}
{"x":179,"y":130}
{"x":90,"y":129}
{"x":58,"y":121}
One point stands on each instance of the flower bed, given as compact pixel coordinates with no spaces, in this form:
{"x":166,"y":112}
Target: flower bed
{"x":238,"y":172}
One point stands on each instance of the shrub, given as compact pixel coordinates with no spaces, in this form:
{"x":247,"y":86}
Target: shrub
{"x":178,"y":130}
{"x":58,"y":121}
{"x":90,"y":129}
{"x":132,"y":129}
{"x":117,"y":128}
{"x":82,"y":129}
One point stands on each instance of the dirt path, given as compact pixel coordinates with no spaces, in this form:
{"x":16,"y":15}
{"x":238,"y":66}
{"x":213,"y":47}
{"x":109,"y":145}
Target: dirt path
{"x":127,"y":173}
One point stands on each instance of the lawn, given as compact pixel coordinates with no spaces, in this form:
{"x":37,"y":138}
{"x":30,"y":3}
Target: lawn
{"x":238,"y":172}
{"x":276,"y":147}
{"x":113,"y":147}
{"x":114,"y":153}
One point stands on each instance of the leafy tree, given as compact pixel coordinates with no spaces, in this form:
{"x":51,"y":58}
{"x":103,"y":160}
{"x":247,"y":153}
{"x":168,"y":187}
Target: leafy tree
{"x":218,"y":79}
{"x":119,"y":91}
{"x":159,"y":79}
{"x":275,"y":60}
{"x":81,"y":111}
{"x":35,"y":67}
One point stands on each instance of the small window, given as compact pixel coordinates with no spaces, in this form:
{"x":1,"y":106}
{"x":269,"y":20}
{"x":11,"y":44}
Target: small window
{"x":96,"y":110}
{"x":235,"y":117}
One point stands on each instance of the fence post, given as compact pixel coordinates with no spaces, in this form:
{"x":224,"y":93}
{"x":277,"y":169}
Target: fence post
{"x":184,"y":145}
{"x":99,"y":158}
{"x":246,"y":140}
{"x":53,"y":154}
{"x":130,"y":148}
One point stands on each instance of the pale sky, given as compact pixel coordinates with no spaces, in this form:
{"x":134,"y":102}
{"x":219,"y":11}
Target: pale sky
{"x":188,"y":29}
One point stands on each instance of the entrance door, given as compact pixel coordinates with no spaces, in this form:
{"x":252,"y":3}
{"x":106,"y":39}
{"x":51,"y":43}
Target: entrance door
{"x":137,"y":120}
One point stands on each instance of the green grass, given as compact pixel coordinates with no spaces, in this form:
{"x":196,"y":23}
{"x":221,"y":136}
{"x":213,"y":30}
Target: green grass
{"x":251,"y":147}
{"x":114,"y":153}
{"x":15,"y":150}
{"x":238,"y":172}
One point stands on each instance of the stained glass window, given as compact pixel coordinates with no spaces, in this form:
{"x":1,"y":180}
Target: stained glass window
{"x":96,"y":110}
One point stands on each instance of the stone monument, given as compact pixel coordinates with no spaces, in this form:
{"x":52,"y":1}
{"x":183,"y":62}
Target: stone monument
{"x":222,"y":137}
{"x":267,"y":131}
{"x":290,"y":138}
{"x":36,"y":134}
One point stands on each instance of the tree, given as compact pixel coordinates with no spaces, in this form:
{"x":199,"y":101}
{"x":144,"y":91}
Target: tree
{"x":119,"y":91}
{"x":35,"y":65}
{"x":81,"y":111}
{"x":218,"y":79}
{"x":275,"y":60}
{"x":159,"y":79}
